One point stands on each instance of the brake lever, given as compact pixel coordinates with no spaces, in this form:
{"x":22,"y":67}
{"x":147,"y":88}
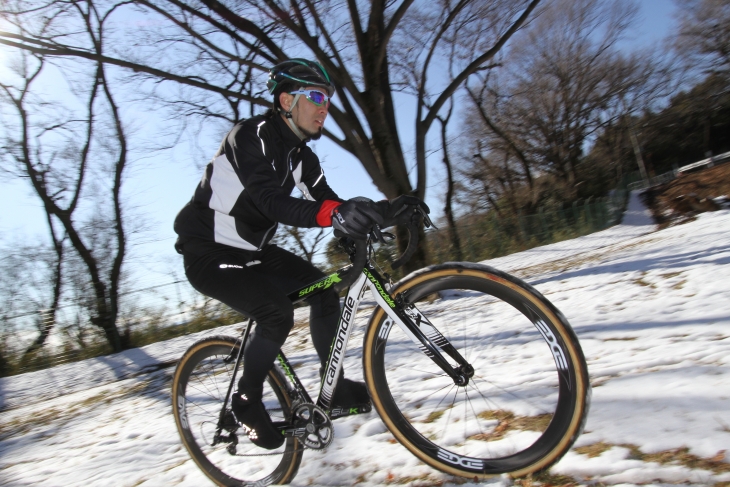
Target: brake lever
{"x":427,"y":222}
{"x":376,"y":235}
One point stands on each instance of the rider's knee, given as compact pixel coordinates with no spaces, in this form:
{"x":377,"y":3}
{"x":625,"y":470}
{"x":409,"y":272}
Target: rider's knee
{"x":325,"y":303}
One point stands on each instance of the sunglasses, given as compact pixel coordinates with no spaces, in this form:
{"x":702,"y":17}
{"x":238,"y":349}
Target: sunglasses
{"x":316,"y":97}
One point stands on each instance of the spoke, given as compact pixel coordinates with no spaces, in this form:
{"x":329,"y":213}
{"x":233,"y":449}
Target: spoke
{"x":476,"y":416}
{"x":202,"y":387}
{"x":435,"y":374}
{"x":466,"y":344}
{"x":465,"y":404}
{"x":207,"y":412}
{"x":526,"y":399}
{"x":211,"y":372}
{"x":202,"y":373}
{"x":439,"y":390}
{"x":487,"y":400}
{"x":448,"y":418}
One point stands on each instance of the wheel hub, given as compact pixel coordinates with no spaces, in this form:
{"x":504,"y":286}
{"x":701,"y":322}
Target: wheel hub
{"x":465,"y":372}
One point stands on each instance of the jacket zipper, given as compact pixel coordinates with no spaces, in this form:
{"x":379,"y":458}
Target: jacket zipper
{"x":288,"y":166}
{"x":265,"y":235}
{"x":288,"y":170}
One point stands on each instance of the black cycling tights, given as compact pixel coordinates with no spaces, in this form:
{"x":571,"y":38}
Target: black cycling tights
{"x":256,"y":284}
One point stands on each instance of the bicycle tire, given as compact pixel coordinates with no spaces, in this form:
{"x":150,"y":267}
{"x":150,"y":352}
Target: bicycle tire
{"x":199,"y":385}
{"x":528,"y":399}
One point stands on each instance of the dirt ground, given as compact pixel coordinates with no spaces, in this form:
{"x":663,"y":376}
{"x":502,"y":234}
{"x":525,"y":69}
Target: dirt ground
{"x":689,"y":194}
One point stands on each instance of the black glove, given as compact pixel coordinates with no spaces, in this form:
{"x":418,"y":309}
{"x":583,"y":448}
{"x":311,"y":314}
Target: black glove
{"x":400,"y":210}
{"x":357,"y":217}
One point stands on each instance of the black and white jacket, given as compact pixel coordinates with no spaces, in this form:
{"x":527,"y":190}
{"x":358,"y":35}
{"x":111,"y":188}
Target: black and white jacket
{"x":246,"y":189}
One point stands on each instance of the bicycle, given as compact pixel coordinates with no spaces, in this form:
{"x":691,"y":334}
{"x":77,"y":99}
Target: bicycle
{"x":484,"y":377}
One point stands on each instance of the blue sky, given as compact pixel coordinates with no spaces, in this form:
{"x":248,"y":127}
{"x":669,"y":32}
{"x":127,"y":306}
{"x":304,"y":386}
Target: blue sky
{"x":159,"y":186}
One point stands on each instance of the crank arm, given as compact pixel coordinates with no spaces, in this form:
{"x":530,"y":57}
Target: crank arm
{"x":289,"y":430}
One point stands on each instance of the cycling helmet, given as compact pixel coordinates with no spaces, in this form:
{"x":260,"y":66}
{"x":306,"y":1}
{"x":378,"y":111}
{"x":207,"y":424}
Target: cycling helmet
{"x":298,"y":72}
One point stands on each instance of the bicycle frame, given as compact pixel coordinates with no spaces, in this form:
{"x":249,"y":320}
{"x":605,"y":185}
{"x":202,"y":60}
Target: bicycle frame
{"x":513,"y":427}
{"x":414,"y":324}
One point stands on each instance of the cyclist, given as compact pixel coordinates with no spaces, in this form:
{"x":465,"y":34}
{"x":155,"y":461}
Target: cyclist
{"x":224,"y":232}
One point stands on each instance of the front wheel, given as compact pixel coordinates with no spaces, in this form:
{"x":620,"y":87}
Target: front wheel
{"x":225,"y":454}
{"x":528,"y":398}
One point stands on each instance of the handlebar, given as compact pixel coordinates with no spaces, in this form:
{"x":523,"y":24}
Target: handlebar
{"x":358,"y":249}
{"x":410,"y":250}
{"x":418,"y":218}
{"x":359,"y":258}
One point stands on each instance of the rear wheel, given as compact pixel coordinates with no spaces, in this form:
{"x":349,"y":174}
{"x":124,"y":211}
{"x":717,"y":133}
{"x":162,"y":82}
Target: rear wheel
{"x":527,"y":400}
{"x":199,"y":387}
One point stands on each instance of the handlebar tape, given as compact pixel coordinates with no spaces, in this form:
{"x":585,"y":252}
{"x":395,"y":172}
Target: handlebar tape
{"x":412,"y":244}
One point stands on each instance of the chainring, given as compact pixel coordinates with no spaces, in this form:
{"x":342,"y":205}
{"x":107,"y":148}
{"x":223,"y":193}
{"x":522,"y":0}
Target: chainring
{"x":314,"y":427}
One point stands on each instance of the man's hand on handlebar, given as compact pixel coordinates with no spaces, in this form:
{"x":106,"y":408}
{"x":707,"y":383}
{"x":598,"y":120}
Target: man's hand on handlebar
{"x":400,"y":210}
{"x":358,"y":217}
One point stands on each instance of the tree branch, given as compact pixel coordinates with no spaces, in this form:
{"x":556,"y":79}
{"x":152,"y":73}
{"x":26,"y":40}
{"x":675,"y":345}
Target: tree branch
{"x":356,"y":24}
{"x":246,"y":26}
{"x":389,"y":29}
{"x":476,"y":64}
{"x":137,"y":68}
{"x":195,"y":35}
{"x":503,"y":135}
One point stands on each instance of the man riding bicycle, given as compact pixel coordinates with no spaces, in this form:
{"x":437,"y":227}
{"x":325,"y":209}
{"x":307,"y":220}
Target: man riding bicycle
{"x":224,"y":232}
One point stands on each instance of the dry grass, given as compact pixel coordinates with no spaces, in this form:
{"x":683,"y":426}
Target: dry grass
{"x":556,"y":480}
{"x":507,"y":422}
{"x":670,"y":275}
{"x":641,"y":282}
{"x":594,"y":450}
{"x":21,"y":425}
{"x":434,"y":416}
{"x":682,"y":456}
{"x":678,"y":456}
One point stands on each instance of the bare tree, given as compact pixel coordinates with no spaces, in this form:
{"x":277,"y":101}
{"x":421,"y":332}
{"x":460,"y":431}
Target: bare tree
{"x":499,"y":160}
{"x":72,"y":157}
{"x":26,"y":298}
{"x":563,"y":81}
{"x":450,"y":183}
{"x":704,"y":34}
{"x":703,"y":43}
{"x":224,"y":47}
{"x":301,"y":241}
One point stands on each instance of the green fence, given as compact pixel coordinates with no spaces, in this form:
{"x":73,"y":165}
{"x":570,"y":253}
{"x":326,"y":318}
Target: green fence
{"x":490,"y":236}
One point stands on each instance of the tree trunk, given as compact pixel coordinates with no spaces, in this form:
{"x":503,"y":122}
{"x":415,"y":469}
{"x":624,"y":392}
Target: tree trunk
{"x":448,"y":211}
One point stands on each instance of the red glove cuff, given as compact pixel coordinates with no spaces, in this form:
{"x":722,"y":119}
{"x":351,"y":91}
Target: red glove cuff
{"x":324,"y":215}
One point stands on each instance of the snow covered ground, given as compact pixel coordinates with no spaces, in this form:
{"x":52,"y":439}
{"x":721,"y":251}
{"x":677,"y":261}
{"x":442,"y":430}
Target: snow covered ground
{"x":651,"y":309}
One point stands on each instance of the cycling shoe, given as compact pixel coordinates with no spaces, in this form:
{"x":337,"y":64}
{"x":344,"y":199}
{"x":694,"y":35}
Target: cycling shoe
{"x":350,"y":393}
{"x":249,"y":410}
